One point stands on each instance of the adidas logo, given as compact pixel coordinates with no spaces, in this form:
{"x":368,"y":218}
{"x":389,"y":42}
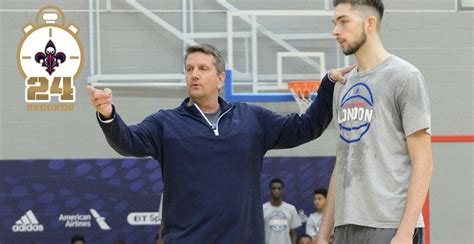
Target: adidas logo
{"x":27,"y":223}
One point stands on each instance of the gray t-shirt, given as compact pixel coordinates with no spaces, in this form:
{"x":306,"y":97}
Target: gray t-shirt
{"x":374,"y":112}
{"x":313,"y":224}
{"x":213,"y":117}
{"x":279,"y":221}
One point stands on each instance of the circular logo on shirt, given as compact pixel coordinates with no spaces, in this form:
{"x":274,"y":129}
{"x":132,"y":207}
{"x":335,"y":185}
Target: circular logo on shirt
{"x":356,"y":110}
{"x":277,"y":221}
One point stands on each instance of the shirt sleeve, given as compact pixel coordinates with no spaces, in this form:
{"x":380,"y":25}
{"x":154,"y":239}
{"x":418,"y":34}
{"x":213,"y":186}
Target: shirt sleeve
{"x":310,"y":227}
{"x":106,"y":121}
{"x":293,"y":130}
{"x":140,"y":140}
{"x":295,"y":218}
{"x":414,"y":104}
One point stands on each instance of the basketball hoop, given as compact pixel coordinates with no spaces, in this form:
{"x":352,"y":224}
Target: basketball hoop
{"x":302,"y":91}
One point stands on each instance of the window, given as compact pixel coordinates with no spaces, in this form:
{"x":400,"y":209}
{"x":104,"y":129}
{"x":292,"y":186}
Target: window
{"x":466,"y":5}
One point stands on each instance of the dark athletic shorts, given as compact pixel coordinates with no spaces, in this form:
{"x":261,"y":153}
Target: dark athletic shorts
{"x":355,"y":234}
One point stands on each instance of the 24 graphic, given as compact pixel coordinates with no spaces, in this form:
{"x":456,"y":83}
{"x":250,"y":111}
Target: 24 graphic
{"x":50,"y":57}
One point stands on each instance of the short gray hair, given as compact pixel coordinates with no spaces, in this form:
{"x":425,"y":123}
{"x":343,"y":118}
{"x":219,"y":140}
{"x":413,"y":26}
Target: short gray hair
{"x":219,"y":61}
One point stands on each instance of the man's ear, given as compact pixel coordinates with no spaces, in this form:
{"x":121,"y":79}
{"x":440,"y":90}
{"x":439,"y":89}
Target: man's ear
{"x":371,"y":24}
{"x":221,"y":77}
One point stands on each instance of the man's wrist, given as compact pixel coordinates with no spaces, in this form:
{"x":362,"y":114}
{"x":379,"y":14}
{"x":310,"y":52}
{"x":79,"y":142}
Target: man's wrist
{"x":106,"y":119}
{"x":401,"y":231}
{"x":103,"y":117}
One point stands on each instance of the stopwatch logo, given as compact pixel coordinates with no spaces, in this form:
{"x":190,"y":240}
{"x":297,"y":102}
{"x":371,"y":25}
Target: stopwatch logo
{"x":50,"y":57}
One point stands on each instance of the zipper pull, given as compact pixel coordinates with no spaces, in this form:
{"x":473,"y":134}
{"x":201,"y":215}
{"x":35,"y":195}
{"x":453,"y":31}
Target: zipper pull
{"x":216,"y":132}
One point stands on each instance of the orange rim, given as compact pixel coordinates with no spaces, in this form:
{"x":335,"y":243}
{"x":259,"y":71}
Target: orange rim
{"x":303,"y":88}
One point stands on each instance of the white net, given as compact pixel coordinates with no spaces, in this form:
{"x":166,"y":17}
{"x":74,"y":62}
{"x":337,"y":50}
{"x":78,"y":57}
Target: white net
{"x":302,"y":92}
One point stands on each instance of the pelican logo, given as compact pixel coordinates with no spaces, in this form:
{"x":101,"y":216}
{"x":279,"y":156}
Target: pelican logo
{"x":355,"y":113}
{"x":50,"y":58}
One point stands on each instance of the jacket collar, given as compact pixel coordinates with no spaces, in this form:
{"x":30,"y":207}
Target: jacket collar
{"x":189,"y":107}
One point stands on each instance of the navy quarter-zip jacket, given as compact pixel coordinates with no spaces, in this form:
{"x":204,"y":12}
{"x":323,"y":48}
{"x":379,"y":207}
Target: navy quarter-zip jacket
{"x":211,"y":175}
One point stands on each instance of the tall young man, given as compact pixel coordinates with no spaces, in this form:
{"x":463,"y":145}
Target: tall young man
{"x":384,"y":160}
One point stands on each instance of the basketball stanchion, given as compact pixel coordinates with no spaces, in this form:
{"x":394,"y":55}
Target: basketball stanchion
{"x":302,"y":92}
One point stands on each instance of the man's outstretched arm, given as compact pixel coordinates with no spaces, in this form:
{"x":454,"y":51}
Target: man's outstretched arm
{"x":137,"y":140}
{"x":294,"y":129}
